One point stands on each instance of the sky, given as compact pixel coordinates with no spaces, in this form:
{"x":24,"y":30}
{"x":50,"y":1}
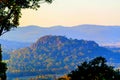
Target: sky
{"x":73,"y":12}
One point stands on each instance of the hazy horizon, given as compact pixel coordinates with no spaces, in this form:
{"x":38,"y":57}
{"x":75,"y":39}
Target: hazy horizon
{"x":104,"y":35}
{"x":66,"y":26}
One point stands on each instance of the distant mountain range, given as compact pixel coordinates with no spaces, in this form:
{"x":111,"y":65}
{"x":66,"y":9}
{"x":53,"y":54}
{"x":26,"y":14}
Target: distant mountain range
{"x":104,"y":35}
{"x":56,"y":55}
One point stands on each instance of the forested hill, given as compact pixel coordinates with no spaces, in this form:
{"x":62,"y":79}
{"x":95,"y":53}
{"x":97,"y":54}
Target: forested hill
{"x":56,"y":54}
{"x":61,"y":42}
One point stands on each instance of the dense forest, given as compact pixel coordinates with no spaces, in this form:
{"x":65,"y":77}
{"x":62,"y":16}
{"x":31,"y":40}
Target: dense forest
{"x":56,"y":55}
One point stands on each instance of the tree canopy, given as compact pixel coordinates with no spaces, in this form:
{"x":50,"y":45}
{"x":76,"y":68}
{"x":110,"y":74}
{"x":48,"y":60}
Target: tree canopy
{"x":96,"y":69}
{"x":10,"y":12}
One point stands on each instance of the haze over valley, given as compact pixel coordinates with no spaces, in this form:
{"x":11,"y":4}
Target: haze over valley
{"x":103,"y":35}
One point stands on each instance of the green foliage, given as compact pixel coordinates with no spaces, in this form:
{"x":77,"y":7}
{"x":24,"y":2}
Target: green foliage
{"x":3,"y":67}
{"x":96,"y":69}
{"x":10,"y":12}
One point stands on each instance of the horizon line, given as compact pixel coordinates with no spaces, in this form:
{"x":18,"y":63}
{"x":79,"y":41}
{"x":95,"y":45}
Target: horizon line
{"x":69,"y":26}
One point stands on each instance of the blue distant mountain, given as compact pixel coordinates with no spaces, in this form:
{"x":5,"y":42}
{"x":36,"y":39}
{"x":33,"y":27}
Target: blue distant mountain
{"x":98,"y":33}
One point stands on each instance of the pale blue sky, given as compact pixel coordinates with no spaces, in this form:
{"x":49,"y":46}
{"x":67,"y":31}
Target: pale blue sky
{"x":74,"y":12}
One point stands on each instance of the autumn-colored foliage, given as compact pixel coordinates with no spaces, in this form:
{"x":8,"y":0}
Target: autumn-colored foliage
{"x":65,"y":77}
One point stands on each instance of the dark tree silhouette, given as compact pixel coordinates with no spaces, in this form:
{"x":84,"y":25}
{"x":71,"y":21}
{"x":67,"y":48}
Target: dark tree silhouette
{"x":3,"y":67}
{"x":10,"y":12}
{"x":96,"y":69}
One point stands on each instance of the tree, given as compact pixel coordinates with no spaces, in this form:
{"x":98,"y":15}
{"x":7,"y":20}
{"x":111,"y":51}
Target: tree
{"x":10,"y":13}
{"x":96,"y":69}
{"x":3,"y":67}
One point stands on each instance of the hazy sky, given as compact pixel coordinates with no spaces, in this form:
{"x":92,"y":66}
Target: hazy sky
{"x":74,"y":12}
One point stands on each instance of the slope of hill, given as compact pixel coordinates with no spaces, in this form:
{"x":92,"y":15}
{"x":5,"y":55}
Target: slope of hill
{"x":8,"y":46}
{"x":100,"y":34}
{"x":13,"y":44}
{"x":56,"y":55}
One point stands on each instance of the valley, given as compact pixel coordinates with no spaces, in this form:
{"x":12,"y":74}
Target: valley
{"x":54,"y":55}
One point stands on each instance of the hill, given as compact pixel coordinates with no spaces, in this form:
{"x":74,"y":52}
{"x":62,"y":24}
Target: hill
{"x":101,"y":34}
{"x":56,"y":55}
